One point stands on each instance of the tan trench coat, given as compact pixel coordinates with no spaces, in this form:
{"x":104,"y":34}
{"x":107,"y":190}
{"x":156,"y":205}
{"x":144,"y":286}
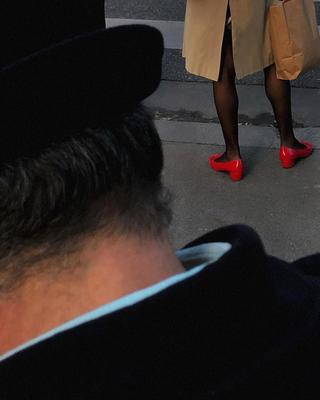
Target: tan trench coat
{"x":203,"y":36}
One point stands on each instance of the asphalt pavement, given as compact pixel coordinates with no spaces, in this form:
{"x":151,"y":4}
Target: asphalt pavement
{"x":282,"y":205}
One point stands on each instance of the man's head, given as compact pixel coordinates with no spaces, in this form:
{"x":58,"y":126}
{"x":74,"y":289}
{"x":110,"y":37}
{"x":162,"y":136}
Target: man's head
{"x":104,"y":179}
{"x":78,"y":152}
{"x":83,"y":214}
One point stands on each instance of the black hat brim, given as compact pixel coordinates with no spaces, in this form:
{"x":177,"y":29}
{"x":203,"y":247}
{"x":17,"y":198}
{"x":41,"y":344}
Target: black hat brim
{"x":78,"y":83}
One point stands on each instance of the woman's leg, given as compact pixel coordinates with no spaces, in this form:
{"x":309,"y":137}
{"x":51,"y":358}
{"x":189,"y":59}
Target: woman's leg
{"x":226,"y":100}
{"x":279,"y":93}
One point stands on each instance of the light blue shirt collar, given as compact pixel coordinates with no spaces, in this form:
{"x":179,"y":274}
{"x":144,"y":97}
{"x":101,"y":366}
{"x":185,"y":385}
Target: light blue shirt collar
{"x":195,"y":259}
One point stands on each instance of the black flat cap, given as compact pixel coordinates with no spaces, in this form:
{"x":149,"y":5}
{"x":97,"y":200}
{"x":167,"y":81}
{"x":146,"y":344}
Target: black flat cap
{"x":62,"y":71}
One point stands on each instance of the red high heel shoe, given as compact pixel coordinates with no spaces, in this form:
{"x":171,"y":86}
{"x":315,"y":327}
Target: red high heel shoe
{"x":234,"y":167}
{"x":289,"y":156}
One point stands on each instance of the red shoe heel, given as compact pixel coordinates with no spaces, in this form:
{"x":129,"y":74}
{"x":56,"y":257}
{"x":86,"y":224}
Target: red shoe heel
{"x":234,"y":168}
{"x":289,"y":156}
{"x":236,"y":175}
{"x":287,"y":162}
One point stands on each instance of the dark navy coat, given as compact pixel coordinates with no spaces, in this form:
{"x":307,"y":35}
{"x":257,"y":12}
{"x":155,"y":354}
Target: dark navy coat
{"x":246,"y":327}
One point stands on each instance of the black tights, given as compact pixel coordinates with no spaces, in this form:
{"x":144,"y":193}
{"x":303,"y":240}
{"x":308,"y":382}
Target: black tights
{"x":227,"y":103}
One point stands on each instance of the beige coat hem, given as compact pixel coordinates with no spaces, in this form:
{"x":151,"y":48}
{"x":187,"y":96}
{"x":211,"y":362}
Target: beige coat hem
{"x":207,"y":72}
{"x":204,"y":30}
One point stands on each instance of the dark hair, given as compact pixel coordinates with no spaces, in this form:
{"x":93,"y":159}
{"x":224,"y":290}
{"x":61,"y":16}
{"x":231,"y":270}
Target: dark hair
{"x":106,"y":178}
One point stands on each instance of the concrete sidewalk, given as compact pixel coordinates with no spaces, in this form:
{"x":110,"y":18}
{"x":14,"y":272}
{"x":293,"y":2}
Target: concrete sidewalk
{"x":282,"y":205}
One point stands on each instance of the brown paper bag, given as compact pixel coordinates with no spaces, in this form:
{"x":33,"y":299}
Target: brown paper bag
{"x":295,"y":37}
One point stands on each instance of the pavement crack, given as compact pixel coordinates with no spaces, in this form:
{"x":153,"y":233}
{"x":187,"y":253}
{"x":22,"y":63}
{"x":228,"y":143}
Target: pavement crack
{"x":183,"y":115}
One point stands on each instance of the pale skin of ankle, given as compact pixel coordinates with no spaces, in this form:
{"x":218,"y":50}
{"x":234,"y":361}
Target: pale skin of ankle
{"x":106,"y":269}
